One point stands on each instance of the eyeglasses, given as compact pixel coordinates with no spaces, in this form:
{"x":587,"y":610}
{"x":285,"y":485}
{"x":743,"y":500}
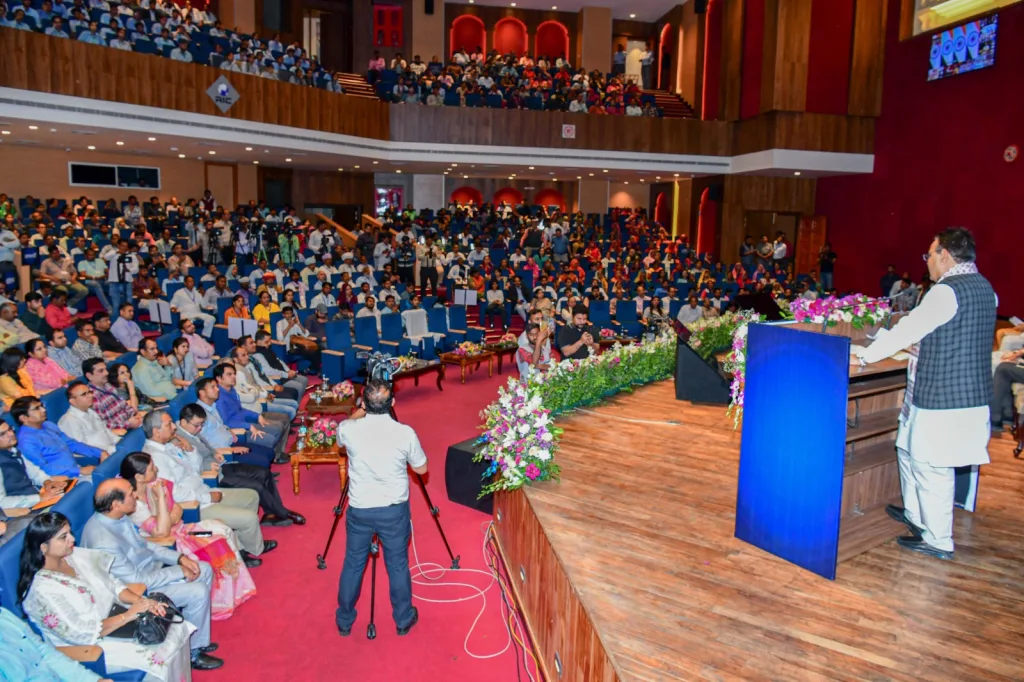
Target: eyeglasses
{"x":81,"y":395}
{"x":925,"y":257}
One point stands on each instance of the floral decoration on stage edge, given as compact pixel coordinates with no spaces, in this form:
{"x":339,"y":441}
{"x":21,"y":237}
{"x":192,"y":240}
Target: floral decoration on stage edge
{"x":520,"y":439}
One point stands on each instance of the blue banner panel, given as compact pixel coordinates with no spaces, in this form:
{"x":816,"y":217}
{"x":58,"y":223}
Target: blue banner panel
{"x":794,"y":439}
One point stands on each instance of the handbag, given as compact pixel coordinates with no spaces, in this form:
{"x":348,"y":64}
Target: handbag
{"x":148,"y":628}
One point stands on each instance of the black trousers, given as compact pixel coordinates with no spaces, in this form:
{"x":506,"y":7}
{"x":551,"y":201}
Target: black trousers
{"x":428,"y":275}
{"x":235,"y":475}
{"x":406,"y":275}
{"x":312,"y":355}
{"x":1006,"y":375}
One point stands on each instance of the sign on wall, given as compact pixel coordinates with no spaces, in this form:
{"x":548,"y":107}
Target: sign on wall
{"x":568,"y":131}
{"x":223,"y":94}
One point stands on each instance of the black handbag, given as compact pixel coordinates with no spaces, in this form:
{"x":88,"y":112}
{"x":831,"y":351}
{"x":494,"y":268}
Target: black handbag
{"x":148,"y":628}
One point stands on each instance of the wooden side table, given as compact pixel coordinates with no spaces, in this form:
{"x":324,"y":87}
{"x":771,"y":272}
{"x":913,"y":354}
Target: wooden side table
{"x":464,"y":361}
{"x":311,"y":456}
{"x":500,"y":352}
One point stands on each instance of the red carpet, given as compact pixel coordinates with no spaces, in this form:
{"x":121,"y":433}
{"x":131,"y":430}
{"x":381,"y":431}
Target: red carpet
{"x":287,"y":631}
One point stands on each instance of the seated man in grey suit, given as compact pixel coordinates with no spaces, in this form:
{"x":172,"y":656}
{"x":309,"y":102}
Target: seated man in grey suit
{"x":185,"y":581}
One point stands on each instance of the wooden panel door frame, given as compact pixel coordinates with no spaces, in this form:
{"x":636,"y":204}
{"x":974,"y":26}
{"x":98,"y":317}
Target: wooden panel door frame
{"x":234,"y":179}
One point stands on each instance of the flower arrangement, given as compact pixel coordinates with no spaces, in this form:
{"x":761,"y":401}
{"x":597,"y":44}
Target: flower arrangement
{"x":607,"y":333}
{"x":322,"y":434}
{"x":508,"y":340}
{"x":709,"y":335}
{"x":736,"y":363}
{"x":857,"y":309}
{"x":467,"y":348}
{"x":343,"y":390}
{"x":784,"y":307}
{"x":519,"y":438}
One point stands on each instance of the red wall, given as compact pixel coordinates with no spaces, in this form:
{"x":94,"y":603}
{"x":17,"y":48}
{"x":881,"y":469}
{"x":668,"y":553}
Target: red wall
{"x":753,"y":56}
{"x":829,"y":54}
{"x":468,"y":32}
{"x":938,"y":162}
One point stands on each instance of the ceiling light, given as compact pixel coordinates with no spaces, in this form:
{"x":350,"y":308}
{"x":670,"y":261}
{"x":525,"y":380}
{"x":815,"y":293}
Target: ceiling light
{"x":91,"y":148}
{"x":374,"y":163}
{"x":53,"y":130}
{"x":796,"y":172}
{"x":554,"y":179}
{"x":287,"y":160}
{"x":174,"y":149}
{"x":248,"y":149}
{"x":531,"y":167}
{"x":627,"y":182}
{"x":591,"y":175}
{"x":677,"y":175}
{"x":604,"y":171}
{"x":632,"y":16}
{"x":455,"y":165}
{"x":212,"y":153}
{"x":509,"y":177}
{"x":341,"y":169}
{"x":471,"y":1}
{"x":446,"y":173}
{"x":33,"y":127}
{"x":119,"y":143}
{"x":152,"y":139}
{"x":355,"y":166}
{"x":5,"y":132}
{"x":398,"y":171}
{"x":641,"y":179}
{"x":181,"y":156}
{"x":513,"y":4}
{"x":256,"y":162}
{"x":579,"y":177}
{"x":657,"y":177}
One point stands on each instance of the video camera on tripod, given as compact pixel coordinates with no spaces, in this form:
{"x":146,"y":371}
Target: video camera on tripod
{"x":381,"y":367}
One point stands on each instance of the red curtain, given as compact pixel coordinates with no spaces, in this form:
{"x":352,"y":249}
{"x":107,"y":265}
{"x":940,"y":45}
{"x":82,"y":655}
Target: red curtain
{"x":664,"y":52}
{"x":464,"y":195}
{"x":829,"y":55}
{"x":712,"y":59}
{"x":468,"y":32}
{"x":510,"y":36}
{"x":550,"y":197}
{"x":707,"y":221}
{"x":552,"y":40}
{"x":661,"y":215}
{"x":510,"y":194}
{"x":753,"y":58}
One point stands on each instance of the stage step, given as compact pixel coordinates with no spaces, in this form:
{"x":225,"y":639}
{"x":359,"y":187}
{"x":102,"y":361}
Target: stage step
{"x":671,"y":105}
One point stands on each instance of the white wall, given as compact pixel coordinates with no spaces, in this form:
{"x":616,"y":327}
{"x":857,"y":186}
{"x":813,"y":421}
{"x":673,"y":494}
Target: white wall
{"x":428,"y":191}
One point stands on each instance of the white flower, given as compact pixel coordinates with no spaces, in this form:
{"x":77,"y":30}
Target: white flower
{"x":546,"y":437}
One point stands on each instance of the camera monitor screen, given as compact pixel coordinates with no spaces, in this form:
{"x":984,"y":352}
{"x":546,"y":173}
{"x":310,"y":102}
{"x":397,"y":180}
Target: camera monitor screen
{"x":968,"y":47}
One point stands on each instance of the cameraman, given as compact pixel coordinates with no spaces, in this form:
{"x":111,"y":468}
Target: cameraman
{"x":379,"y":450}
{"x":122,"y":267}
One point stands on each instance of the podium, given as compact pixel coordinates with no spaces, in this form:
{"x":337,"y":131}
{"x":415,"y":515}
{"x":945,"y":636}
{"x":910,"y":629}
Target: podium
{"x":818,"y":455}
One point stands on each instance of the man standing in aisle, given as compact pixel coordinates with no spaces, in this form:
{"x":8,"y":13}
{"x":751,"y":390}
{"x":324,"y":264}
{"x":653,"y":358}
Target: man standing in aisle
{"x":945,"y":418}
{"x":379,"y":450}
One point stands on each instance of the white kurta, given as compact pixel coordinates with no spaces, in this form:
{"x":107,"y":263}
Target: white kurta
{"x":941,"y":438}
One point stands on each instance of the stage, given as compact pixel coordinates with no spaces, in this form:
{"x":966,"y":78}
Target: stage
{"x":628,"y":568}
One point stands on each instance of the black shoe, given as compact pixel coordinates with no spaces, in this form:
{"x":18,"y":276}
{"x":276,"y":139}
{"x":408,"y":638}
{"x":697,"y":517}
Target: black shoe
{"x":274,"y":520}
{"x":299,"y":519}
{"x":209,"y":648}
{"x":345,"y":632}
{"x":275,"y":474}
{"x":916,"y":544}
{"x":250,"y":560}
{"x":206,"y":662}
{"x":415,"y":619}
{"x":269,"y":546}
{"x":900,"y":514}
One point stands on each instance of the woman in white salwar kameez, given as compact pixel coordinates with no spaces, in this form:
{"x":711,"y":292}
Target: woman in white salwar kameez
{"x":68,"y":593}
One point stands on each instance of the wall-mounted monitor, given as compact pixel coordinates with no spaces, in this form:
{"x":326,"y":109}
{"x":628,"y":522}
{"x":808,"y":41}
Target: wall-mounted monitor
{"x":965,"y":48}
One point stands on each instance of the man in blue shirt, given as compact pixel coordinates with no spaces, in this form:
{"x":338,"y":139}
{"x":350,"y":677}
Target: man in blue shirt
{"x":560,"y":247}
{"x":220,"y":435}
{"x":18,"y":21}
{"x":49,"y":448}
{"x":24,"y":656}
{"x":619,"y":61}
{"x":125,"y":329}
{"x":57,"y":29}
{"x":92,"y":35}
{"x":274,"y":425}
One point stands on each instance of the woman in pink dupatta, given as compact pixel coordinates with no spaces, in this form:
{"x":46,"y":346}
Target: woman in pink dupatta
{"x":46,"y":374}
{"x":158,"y":517}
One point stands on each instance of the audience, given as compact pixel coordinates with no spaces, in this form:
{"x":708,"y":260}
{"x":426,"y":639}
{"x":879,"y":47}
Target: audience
{"x":82,"y":423}
{"x":15,"y":381}
{"x":45,"y":374}
{"x":47,"y":447}
{"x":117,"y":413}
{"x":152,"y":373}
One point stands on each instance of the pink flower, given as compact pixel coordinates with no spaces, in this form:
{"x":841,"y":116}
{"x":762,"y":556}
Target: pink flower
{"x":532,"y":472}
{"x":51,"y":621}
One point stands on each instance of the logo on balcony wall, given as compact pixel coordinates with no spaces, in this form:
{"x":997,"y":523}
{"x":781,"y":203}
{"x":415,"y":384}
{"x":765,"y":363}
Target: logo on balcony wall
{"x":1010,"y":155}
{"x":568,"y":132}
{"x":223,"y":94}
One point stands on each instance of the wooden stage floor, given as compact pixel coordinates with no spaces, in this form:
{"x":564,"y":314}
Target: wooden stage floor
{"x":642,"y":524}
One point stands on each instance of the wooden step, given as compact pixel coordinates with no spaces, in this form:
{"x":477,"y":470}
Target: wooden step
{"x":874,"y":424}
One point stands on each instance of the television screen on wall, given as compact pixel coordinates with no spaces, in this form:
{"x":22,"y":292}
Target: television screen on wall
{"x":967,"y":47}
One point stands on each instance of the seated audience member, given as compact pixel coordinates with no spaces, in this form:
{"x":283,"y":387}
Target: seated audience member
{"x":236,"y":508}
{"x":1008,"y":371}
{"x":69,"y":593}
{"x":185,"y":581}
{"x":23,"y":655}
{"x":183,"y":365}
{"x":157,"y":515}
{"x":576,"y":340}
{"x":15,"y":381}
{"x":59,"y":270}
{"x":238,"y":309}
{"x":45,"y":373}
{"x":22,"y":484}
{"x":258,"y":445}
{"x":495,"y":305}
{"x":261,"y":352}
{"x":81,"y":422}
{"x":316,"y":325}
{"x":109,"y":343}
{"x":57,"y":314}
{"x":87,"y":345}
{"x":264,"y":309}
{"x":188,"y":302}
{"x":118,"y":414}
{"x":1007,"y":338}
{"x":47,"y":447}
{"x":201,"y":349}
{"x":152,"y":373}
{"x":297,"y":340}
{"x":125,"y":329}
{"x":34,"y":316}
{"x":691,"y":312}
{"x":120,"y":378}
{"x":258,"y":392}
{"x":9,"y":323}
{"x":58,"y":351}
{"x":273,"y":428}
{"x":536,"y":354}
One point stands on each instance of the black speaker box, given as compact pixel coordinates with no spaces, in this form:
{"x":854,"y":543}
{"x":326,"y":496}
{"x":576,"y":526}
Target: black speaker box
{"x":463,"y":477}
{"x":697,"y":381}
{"x":428,"y":6}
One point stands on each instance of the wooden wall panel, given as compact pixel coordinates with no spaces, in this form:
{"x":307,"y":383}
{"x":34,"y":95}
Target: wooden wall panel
{"x":809,"y":132}
{"x":791,"y":55}
{"x":33,"y":61}
{"x":759,"y":193}
{"x":768,"y":64}
{"x":326,"y":187}
{"x":691,"y":75}
{"x":557,"y":620}
{"x":543,"y":129}
{"x":868,"y":62}
{"x":533,"y":18}
{"x":732,"y":60}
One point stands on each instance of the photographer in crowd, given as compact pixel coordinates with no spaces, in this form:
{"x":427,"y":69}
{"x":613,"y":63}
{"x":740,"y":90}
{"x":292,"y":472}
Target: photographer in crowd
{"x":379,"y":452}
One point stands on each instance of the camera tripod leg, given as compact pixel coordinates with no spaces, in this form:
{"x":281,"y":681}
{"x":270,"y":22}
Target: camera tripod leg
{"x":435,"y":513}
{"x":339,"y":511}
{"x":371,"y":629}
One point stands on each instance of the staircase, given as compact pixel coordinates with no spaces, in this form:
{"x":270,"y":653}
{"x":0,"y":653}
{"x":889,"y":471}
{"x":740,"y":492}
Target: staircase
{"x":356,"y":85}
{"x":671,"y":105}
{"x":492,"y":335}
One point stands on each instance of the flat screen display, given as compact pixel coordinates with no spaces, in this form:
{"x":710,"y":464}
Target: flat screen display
{"x":967,"y":47}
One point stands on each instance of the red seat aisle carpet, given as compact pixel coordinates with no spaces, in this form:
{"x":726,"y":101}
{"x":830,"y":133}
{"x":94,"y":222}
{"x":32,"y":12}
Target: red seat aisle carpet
{"x":287,"y":631}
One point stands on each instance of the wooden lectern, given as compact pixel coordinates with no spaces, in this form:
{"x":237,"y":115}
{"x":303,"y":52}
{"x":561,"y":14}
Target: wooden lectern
{"x":818,"y":456}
